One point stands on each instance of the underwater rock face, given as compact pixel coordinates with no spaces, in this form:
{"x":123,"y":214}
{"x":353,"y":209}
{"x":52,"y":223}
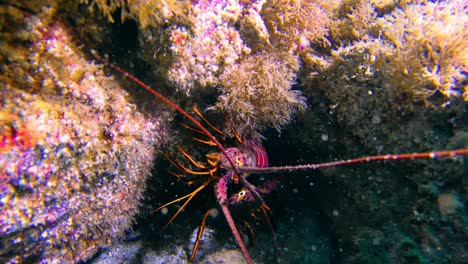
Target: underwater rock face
{"x":177,"y":252}
{"x":74,"y":153}
{"x":232,"y":256}
{"x":138,"y":252}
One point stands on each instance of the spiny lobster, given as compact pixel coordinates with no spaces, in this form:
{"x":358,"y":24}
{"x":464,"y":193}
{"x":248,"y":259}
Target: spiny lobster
{"x":250,"y":157}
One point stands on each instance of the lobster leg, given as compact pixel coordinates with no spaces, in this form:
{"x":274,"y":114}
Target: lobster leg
{"x":181,"y":167}
{"x":192,"y":160}
{"x":233,"y":130}
{"x":199,"y":236}
{"x":181,"y":177}
{"x":206,"y":120}
{"x":265,"y":211}
{"x":189,"y":197}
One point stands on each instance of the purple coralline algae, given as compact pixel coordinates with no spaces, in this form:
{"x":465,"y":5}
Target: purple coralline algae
{"x":215,"y":42}
{"x":74,"y":153}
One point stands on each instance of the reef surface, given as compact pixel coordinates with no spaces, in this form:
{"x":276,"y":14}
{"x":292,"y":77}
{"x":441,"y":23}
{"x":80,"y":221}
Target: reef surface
{"x":81,"y":164}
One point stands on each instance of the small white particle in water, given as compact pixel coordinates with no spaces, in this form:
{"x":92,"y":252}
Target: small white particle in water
{"x":214,"y":212}
{"x":313,"y":247}
{"x":370,"y":92}
{"x":295,"y":190}
{"x":324,"y":137}
{"x":164,"y":211}
{"x":335,"y":212}
{"x":311,"y":184}
{"x":375,"y":241}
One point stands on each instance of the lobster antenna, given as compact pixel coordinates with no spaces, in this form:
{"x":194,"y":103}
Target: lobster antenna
{"x":408,"y":156}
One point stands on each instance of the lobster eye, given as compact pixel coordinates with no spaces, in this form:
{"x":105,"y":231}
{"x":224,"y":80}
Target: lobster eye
{"x":240,"y":195}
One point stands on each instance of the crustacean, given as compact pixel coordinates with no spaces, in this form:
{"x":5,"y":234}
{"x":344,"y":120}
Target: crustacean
{"x":232,"y":165}
{"x":220,"y":171}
